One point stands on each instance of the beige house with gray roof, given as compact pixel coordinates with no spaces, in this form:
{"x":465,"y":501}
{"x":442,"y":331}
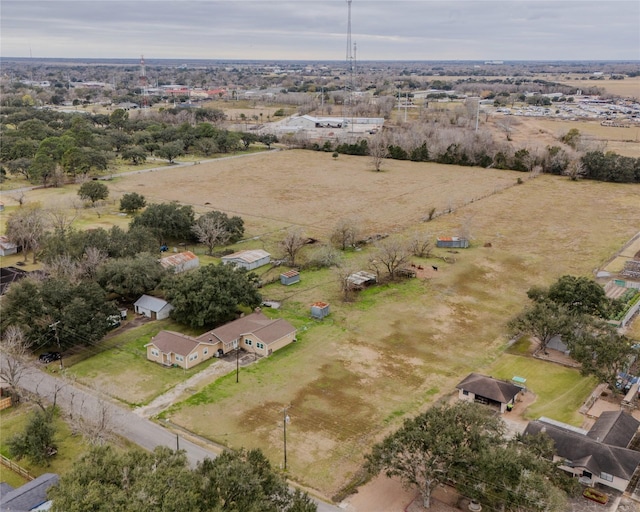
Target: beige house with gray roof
{"x":253,"y":333}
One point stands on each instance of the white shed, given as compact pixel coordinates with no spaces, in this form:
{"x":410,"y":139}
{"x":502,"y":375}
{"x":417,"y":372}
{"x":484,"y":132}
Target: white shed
{"x":7,"y":247}
{"x":152,"y":307}
{"x":249,"y":259}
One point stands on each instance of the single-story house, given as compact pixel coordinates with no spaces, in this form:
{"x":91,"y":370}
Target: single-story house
{"x":152,"y":307}
{"x":249,"y":259}
{"x":172,"y":348}
{"x":180,"y":262}
{"x":598,"y":456}
{"x":254,"y":333}
{"x":452,"y":242}
{"x":6,"y":247}
{"x":487,"y":390}
{"x":30,"y":496}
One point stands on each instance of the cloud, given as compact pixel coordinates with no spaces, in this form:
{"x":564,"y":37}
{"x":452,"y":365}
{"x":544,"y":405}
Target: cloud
{"x":316,"y":30}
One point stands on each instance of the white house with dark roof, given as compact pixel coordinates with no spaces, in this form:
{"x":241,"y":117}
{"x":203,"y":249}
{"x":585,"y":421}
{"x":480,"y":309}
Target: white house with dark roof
{"x":249,"y":259}
{"x":254,"y":333}
{"x":172,"y":348}
{"x":152,"y":307}
{"x":487,"y":390}
{"x":601,"y":455}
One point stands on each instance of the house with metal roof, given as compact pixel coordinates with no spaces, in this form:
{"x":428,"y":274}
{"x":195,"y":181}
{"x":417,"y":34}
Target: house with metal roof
{"x":487,"y":390}
{"x":152,"y":307}
{"x":249,"y":259}
{"x":601,"y":455}
{"x":6,"y":247}
{"x":172,"y":348}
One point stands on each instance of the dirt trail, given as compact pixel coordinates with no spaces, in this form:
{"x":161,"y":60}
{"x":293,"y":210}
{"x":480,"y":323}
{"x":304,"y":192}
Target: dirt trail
{"x":216,"y":370}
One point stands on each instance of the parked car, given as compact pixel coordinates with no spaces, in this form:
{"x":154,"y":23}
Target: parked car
{"x":49,"y":357}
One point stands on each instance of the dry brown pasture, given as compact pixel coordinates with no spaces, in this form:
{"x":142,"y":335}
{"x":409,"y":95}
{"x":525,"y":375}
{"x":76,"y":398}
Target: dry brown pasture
{"x":274,"y":191}
{"x":627,"y":88}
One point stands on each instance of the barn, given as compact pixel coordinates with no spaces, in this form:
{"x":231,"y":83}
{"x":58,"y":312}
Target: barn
{"x":180,"y":262}
{"x":452,"y":242}
{"x":249,"y":259}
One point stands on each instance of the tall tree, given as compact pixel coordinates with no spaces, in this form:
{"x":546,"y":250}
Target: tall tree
{"x":131,"y":277}
{"x":292,"y":244}
{"x":211,"y":295}
{"x":93,"y":191}
{"x":544,"y":320}
{"x":391,"y":254}
{"x":216,"y":228}
{"x":429,"y":449}
{"x":132,"y":202}
{"x":601,"y":350}
{"x":129,"y":482}
{"x":169,"y":221}
{"x":36,"y":442}
{"x":26,"y":227}
{"x":345,"y":233}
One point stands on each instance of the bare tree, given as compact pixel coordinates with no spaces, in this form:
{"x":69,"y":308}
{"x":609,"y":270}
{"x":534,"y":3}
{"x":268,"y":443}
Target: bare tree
{"x":575,"y":170}
{"x":19,"y":197}
{"x":293,"y":242}
{"x":93,"y":258}
{"x":378,"y":150}
{"x":324,"y":256}
{"x":210,"y":232}
{"x":93,"y":419}
{"x":345,"y":233}
{"x":60,"y":220}
{"x":16,"y":357}
{"x":26,"y":228}
{"x":466,"y":227}
{"x":342,"y":273}
{"x":421,"y":244}
{"x":391,"y":254}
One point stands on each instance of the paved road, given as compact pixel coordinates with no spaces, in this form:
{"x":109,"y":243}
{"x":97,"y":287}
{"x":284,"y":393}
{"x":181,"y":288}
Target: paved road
{"x":74,"y":398}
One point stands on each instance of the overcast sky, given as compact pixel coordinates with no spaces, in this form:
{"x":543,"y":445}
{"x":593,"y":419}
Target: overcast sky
{"x":316,"y":30}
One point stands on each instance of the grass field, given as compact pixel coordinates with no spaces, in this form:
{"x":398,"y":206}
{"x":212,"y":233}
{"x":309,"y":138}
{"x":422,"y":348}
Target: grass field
{"x":70,"y":448}
{"x":397,"y":348}
{"x":126,"y":361}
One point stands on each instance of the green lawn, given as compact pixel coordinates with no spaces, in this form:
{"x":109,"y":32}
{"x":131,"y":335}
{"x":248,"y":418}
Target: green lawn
{"x":70,"y":447}
{"x":123,"y":370}
{"x":560,"y":391}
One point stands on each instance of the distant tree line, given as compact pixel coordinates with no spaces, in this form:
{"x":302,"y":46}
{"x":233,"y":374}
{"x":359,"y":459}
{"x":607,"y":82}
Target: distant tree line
{"x":51,"y":147}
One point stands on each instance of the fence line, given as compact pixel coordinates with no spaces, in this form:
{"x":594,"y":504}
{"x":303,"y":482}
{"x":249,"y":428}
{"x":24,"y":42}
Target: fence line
{"x":15,"y":467}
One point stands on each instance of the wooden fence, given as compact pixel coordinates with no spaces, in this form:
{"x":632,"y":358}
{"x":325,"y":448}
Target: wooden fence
{"x":5,"y":402}
{"x":15,"y":468}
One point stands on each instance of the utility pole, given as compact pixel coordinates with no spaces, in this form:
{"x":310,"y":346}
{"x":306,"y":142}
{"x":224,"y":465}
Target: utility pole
{"x":54,"y":326}
{"x":237,"y":362}
{"x":285,"y":420}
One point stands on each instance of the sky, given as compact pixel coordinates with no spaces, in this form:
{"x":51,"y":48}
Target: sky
{"x":316,"y":30}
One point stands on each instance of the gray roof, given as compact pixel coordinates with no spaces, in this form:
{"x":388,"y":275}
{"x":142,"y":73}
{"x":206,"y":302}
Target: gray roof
{"x":488,"y":387}
{"x":583,"y":451}
{"x":258,"y":324}
{"x":30,"y":495}
{"x":151,"y":303}
{"x":615,"y":428}
{"x":247,"y":256}
{"x":180,"y":344}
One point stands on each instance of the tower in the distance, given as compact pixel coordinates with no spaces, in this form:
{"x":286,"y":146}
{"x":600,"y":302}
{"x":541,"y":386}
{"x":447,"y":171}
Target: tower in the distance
{"x":349,"y":59}
{"x":144,"y":84}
